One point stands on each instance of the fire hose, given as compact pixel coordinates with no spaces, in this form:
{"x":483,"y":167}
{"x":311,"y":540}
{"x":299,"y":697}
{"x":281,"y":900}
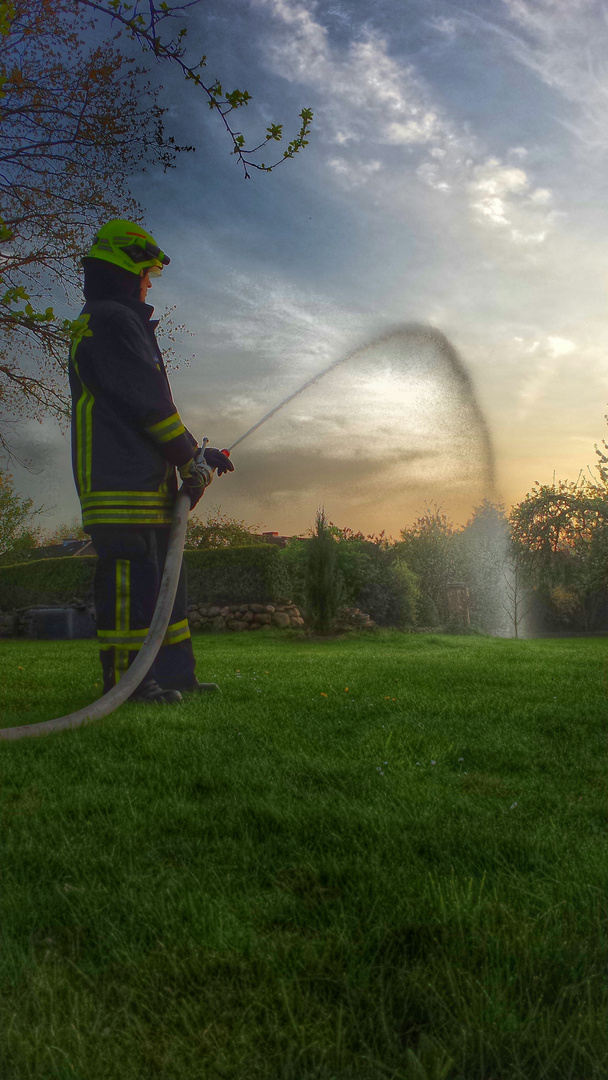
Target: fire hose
{"x":147,"y":654}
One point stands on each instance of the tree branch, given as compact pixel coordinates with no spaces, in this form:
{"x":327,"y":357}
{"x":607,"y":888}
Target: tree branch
{"x":173,"y":51}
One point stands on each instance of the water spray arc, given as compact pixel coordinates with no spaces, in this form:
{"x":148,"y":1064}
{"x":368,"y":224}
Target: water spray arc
{"x":139,"y":669}
{"x":446,"y":353}
{"x":305,"y":386}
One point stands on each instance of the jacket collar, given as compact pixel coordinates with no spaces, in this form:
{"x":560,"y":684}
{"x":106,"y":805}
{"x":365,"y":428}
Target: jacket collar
{"x":144,"y":311}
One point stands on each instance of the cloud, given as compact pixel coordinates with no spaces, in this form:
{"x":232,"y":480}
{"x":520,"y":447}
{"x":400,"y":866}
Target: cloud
{"x":280,"y":327}
{"x":564,"y":43}
{"x":371,"y":99}
{"x":500,"y":197}
{"x":365,"y":92}
{"x":543,"y":356}
{"x":430,"y":174}
{"x":353,"y":174}
{"x":418,"y":129}
{"x":558,"y":346}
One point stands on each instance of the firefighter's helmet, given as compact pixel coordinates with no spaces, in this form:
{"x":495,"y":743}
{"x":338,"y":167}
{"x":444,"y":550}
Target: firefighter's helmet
{"x":128,"y":245}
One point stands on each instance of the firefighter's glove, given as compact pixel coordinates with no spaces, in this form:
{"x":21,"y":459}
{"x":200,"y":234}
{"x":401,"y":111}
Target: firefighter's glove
{"x":216,"y":459}
{"x":197,"y":475}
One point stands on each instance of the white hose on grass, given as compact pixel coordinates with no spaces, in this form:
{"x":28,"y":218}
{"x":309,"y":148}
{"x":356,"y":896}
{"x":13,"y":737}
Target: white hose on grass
{"x":148,"y":652}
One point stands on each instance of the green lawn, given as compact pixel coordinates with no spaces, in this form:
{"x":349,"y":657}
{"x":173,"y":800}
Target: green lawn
{"x":383,"y":856}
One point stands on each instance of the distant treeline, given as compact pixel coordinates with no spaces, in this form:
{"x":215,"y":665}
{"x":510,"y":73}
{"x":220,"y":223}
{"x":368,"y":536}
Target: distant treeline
{"x":541,"y":568}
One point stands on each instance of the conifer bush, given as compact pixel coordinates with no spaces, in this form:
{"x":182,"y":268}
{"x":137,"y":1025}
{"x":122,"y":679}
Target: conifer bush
{"x":323,"y":584}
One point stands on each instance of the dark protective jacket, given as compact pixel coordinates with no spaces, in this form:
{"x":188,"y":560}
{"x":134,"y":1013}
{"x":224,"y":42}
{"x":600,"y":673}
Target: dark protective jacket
{"x":127,"y":435}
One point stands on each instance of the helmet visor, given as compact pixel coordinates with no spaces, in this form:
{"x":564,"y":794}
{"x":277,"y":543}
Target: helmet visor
{"x":141,"y":253}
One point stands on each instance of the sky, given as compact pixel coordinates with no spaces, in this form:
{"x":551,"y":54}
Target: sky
{"x":447,"y":224}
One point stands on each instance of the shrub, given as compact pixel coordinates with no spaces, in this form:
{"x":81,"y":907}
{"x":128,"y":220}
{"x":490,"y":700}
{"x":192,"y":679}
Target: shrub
{"x":379,"y":581}
{"x":427,"y":611}
{"x":390,"y":594}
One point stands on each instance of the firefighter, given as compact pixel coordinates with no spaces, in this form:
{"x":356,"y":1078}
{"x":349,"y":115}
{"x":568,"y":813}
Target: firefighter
{"x":127,"y":441}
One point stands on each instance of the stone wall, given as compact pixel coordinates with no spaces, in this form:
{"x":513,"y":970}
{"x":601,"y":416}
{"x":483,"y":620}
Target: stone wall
{"x":201,"y":617}
{"x":205,"y":618}
{"x":235,"y":617}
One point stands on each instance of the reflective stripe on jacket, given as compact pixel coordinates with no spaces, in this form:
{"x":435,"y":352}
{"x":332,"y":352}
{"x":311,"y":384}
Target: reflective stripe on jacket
{"x":127,"y":435}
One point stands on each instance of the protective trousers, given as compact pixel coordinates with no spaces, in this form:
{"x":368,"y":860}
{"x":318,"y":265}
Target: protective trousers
{"x":129,"y":570}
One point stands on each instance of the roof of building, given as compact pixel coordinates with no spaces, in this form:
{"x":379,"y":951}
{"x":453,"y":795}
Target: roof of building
{"x":67,"y":548}
{"x":276,"y":538}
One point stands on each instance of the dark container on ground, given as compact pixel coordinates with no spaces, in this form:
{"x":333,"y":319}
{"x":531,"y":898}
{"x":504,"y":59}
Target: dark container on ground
{"x":61,"y":623}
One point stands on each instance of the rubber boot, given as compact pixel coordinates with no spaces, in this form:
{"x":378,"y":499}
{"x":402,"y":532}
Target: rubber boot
{"x":149,"y":692}
{"x":197,"y":687}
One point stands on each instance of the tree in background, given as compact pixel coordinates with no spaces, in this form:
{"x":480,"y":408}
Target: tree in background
{"x":72,"y":530}
{"x":481,"y":555}
{"x":18,"y":533}
{"x":77,"y":120}
{"x":518,"y":596}
{"x":75,"y":123}
{"x":380,"y":540}
{"x":219,"y":530}
{"x":560,"y":533}
{"x":428,"y":549}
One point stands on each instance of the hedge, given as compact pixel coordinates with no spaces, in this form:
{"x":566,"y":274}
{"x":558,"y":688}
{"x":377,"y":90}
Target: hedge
{"x":222,"y":575}
{"x":253,"y":575}
{"x":46,"y":581}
